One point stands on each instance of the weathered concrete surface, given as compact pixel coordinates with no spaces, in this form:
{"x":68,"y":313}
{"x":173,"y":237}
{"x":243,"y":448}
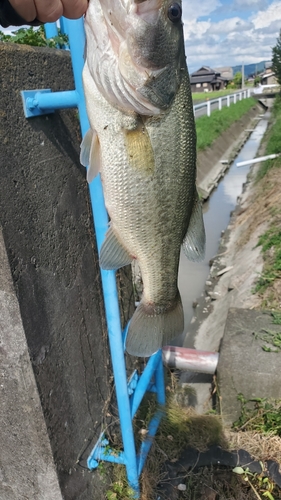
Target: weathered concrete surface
{"x":27,"y":469}
{"x":215,"y":160}
{"x":47,"y":228}
{"x":244,"y":367}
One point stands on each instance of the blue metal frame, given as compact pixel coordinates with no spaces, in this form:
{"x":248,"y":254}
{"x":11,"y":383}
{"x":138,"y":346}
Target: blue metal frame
{"x":129,"y":394}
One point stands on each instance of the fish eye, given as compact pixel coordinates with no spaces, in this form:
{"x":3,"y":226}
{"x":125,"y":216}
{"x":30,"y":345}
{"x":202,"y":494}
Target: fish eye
{"x":174,"y":12}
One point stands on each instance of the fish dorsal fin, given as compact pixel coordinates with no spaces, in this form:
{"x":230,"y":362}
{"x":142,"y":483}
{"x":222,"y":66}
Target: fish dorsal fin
{"x":113,"y":255}
{"x":90,"y":155}
{"x":195,"y":239}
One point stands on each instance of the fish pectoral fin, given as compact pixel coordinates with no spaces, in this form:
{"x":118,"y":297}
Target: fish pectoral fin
{"x":86,"y":148}
{"x":151,"y":328}
{"x":195,"y":239}
{"x":113,"y":255}
{"x":90,"y":155}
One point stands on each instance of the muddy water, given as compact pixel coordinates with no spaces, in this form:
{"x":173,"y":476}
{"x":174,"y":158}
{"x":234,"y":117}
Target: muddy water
{"x":192,"y":276}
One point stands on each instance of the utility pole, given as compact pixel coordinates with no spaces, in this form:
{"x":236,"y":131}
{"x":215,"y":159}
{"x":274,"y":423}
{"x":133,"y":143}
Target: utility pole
{"x":243,"y":76}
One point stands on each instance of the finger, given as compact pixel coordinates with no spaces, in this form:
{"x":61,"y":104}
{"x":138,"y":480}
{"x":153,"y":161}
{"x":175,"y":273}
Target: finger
{"x":73,"y":9}
{"x":25,"y":9}
{"x":48,"y":11}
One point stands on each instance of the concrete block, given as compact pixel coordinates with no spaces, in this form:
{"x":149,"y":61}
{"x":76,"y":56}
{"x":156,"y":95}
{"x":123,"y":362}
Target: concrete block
{"x":244,"y":367}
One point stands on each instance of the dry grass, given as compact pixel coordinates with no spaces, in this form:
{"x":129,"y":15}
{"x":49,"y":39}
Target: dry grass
{"x":260,"y":446}
{"x":217,"y":484}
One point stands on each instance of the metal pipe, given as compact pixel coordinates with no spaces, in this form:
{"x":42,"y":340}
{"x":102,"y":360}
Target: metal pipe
{"x":160,"y":382}
{"x":257,"y":160}
{"x":144,"y":380}
{"x":51,"y":30}
{"x":190,"y":359}
{"x":53,"y":100}
{"x":146,"y":444}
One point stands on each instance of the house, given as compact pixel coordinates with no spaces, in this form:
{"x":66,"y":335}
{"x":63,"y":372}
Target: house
{"x":225,"y":72}
{"x":207,"y":79}
{"x":268,"y":77}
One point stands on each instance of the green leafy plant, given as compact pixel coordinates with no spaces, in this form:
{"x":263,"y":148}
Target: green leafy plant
{"x":272,"y":338}
{"x":258,"y":482}
{"x":36,"y":37}
{"x":260,"y":415}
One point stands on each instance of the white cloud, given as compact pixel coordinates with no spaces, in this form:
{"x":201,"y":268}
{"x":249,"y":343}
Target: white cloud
{"x":249,"y":4}
{"x":232,"y":25}
{"x":196,"y":31}
{"x":192,"y":10}
{"x":233,"y":40}
{"x":264,"y":19}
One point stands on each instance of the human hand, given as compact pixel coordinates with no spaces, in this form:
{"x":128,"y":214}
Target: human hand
{"x":49,"y":11}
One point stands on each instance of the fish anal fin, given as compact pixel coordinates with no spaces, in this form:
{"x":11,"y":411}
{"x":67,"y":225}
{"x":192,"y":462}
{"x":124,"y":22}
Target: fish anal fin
{"x":152,"y":327}
{"x":90,"y":155}
{"x":113,"y":255}
{"x":195,"y":239}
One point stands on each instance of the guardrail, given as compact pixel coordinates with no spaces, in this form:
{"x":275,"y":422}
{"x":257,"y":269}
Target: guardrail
{"x":229,"y":99}
{"x":267,"y":89}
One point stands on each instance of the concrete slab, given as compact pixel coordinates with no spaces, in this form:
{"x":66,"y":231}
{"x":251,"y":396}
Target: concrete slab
{"x":244,"y":367}
{"x":27,"y":470}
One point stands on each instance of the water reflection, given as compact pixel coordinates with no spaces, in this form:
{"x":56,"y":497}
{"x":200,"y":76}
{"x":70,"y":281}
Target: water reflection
{"x":192,"y":276}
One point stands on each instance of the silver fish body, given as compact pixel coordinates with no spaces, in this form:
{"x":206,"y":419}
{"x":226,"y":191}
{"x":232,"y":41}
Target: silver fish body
{"x":143,"y":142}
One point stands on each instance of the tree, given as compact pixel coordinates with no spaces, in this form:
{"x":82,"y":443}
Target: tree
{"x":276,"y":59}
{"x":257,"y":80}
{"x":238,"y":80}
{"x":31,"y":36}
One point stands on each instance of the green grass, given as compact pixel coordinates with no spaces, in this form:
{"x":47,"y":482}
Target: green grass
{"x":270,"y":243}
{"x":273,"y":140}
{"x":209,"y":128}
{"x":260,"y":415}
{"x":207,"y":96}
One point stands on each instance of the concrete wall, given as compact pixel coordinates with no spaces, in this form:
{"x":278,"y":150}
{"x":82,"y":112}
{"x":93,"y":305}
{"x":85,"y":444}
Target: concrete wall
{"x":47,"y":228}
{"x":27,"y":469}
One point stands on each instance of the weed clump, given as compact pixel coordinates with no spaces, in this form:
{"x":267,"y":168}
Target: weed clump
{"x":259,"y":415}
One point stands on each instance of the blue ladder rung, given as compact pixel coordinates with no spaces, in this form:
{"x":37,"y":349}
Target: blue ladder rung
{"x":147,"y":443}
{"x":137,"y":387}
{"x":42,"y":102}
{"x":102,"y":451}
{"x":145,"y":381}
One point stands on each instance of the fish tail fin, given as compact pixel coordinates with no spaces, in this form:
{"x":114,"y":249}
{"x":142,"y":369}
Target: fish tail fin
{"x":153,"y":326}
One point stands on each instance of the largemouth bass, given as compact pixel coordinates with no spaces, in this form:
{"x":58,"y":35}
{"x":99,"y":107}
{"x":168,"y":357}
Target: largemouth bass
{"x":143,"y":142}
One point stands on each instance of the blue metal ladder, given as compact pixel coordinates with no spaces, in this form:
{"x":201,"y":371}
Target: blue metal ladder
{"x":129,"y":394}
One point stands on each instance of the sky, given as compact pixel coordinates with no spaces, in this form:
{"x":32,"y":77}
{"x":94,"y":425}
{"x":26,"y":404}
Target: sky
{"x":229,"y":32}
